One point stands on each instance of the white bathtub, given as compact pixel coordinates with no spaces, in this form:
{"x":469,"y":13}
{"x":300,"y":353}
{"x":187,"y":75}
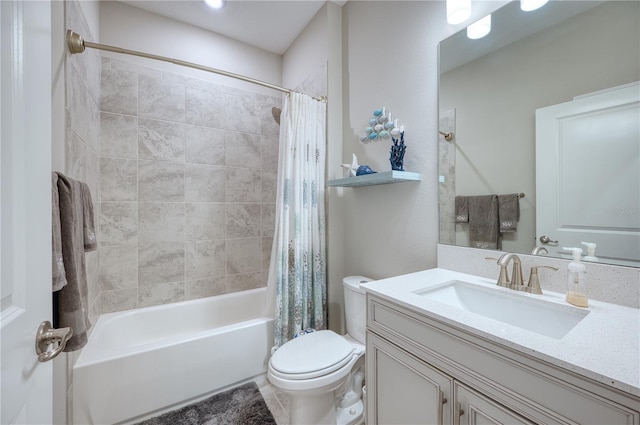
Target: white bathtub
{"x":145,"y":360}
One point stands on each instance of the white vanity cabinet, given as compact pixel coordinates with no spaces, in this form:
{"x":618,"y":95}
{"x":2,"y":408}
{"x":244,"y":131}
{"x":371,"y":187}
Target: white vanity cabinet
{"x":395,"y":372}
{"x":424,"y":371}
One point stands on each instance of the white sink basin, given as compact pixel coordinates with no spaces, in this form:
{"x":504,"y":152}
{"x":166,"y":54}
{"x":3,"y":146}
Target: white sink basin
{"x":535,"y":315}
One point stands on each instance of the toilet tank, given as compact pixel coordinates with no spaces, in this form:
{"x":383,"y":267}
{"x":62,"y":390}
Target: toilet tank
{"x":355,"y":307}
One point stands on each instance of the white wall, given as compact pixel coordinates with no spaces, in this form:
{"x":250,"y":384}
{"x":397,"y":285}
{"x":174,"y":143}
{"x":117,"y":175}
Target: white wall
{"x":308,"y":52}
{"x":128,"y":27}
{"x":391,"y":60}
{"x":391,"y":229}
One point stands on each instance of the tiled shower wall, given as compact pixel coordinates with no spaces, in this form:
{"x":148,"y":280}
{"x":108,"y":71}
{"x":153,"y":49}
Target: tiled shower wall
{"x":82,"y":141}
{"x":447,"y":177}
{"x":188,"y":187}
{"x":81,"y":162}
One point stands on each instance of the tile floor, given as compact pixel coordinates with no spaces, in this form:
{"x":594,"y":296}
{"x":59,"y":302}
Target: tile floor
{"x":277,"y":401}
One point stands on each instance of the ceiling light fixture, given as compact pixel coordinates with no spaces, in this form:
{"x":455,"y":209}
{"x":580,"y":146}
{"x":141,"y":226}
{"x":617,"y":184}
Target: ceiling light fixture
{"x":529,"y":5}
{"x":479,"y":28}
{"x":458,"y":11}
{"x":216,"y":4}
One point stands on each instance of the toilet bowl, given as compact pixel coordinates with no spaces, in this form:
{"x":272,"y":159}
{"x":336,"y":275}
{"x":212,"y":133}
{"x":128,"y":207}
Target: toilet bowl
{"x":322,"y":371}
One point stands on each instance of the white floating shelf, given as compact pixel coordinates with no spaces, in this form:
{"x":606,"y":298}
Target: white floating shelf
{"x":385,"y":177}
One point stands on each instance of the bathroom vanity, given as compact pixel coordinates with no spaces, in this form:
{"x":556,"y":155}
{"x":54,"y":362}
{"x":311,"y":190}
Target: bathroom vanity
{"x":446,"y":347}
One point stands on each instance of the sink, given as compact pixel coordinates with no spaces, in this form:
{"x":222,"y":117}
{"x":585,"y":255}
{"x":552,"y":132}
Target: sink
{"x":535,"y":315}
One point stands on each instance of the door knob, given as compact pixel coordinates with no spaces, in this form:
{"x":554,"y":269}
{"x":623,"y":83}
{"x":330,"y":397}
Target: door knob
{"x":547,"y":240}
{"x":47,"y":336}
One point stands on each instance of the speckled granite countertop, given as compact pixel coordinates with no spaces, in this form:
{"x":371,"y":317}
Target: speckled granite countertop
{"x":604,"y":346}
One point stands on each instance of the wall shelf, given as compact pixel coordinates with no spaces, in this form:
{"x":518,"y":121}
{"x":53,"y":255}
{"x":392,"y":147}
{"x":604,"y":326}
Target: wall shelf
{"x":385,"y":177}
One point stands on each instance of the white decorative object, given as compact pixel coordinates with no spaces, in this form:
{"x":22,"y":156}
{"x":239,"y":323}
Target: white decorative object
{"x":353,"y":167}
{"x":381,"y":126}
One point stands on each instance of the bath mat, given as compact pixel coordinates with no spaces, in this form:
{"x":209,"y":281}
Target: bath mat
{"x":242,"y":405}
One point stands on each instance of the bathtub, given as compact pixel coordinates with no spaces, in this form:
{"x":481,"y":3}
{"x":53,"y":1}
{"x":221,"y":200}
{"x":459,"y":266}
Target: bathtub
{"x":146,"y":360}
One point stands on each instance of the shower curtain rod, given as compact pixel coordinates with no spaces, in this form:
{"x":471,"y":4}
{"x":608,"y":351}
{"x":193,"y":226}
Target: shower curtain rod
{"x":77,"y":44}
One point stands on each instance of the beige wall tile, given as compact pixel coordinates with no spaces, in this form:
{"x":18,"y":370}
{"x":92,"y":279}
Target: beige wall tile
{"x":118,"y":223}
{"x":205,"y":288}
{"x":160,"y":222}
{"x":161,"y":140}
{"x":244,"y":255}
{"x":205,"y":259}
{"x":205,"y":221}
{"x":118,"y":135}
{"x":160,"y":263}
{"x":160,"y":181}
{"x":205,"y":145}
{"x":243,"y":220}
{"x":163,"y":293}
{"x":204,"y":183}
{"x":118,"y":179}
{"x":160,"y":99}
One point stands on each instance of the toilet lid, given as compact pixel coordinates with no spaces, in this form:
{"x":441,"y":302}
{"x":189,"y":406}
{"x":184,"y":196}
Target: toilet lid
{"x":314,"y":354}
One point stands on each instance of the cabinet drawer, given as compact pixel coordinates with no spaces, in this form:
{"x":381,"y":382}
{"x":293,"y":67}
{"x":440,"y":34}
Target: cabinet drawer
{"x":533,"y":389}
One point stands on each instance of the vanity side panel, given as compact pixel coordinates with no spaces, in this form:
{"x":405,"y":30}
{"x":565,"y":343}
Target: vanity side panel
{"x":538,"y":391}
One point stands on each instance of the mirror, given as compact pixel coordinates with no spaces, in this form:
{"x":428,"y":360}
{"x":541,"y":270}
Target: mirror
{"x":490,"y":91}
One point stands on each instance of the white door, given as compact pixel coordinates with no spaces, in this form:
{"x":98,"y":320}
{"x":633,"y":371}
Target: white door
{"x":25,"y":214}
{"x":588,"y":174}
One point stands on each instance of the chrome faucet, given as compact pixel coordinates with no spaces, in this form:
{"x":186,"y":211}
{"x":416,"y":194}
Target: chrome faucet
{"x":533,"y":286}
{"x":516,"y":273}
{"x":539,"y":250}
{"x":517,"y":284}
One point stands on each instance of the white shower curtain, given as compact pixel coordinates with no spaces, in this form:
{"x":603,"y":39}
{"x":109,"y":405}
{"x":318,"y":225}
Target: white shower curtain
{"x":297,"y":273}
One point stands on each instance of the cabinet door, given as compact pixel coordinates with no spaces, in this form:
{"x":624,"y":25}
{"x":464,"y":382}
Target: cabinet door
{"x":402,"y":389}
{"x":473,"y":408}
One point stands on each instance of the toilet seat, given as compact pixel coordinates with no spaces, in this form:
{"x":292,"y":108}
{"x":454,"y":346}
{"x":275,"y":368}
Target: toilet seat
{"x":311,"y":356}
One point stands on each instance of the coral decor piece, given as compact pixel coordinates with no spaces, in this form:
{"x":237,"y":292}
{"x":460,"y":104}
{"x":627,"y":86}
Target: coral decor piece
{"x":396,"y":156}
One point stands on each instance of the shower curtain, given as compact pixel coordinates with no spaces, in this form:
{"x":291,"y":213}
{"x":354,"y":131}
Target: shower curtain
{"x":297,"y":272}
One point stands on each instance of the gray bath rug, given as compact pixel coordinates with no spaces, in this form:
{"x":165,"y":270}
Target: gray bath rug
{"x":242,"y":405}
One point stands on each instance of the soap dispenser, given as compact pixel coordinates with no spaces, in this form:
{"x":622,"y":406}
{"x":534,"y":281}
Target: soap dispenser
{"x":576,"y":280}
{"x":591,"y":252}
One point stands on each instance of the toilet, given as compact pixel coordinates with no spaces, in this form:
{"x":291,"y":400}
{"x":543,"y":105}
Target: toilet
{"x":322,"y":371}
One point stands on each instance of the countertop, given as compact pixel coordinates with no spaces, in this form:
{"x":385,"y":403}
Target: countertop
{"x":604,"y":346}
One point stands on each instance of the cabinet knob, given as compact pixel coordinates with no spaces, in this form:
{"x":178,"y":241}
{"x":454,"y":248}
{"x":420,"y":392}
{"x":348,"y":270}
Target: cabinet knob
{"x":442,"y":400}
{"x":458,"y":414}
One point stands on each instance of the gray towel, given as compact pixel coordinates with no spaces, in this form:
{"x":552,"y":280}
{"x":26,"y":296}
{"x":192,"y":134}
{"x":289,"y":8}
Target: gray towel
{"x":88,"y":227}
{"x":509,"y":212}
{"x":70,"y":303}
{"x":58,"y":277}
{"x":462,"y":209}
{"x":483,"y":221}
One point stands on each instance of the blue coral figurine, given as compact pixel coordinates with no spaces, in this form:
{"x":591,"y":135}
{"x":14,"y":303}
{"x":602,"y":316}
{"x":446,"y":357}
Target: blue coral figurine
{"x":397,"y":153}
{"x":364,"y":169}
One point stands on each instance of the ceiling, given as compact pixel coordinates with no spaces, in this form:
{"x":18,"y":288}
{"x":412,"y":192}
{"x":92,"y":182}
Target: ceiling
{"x":267,"y":24}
